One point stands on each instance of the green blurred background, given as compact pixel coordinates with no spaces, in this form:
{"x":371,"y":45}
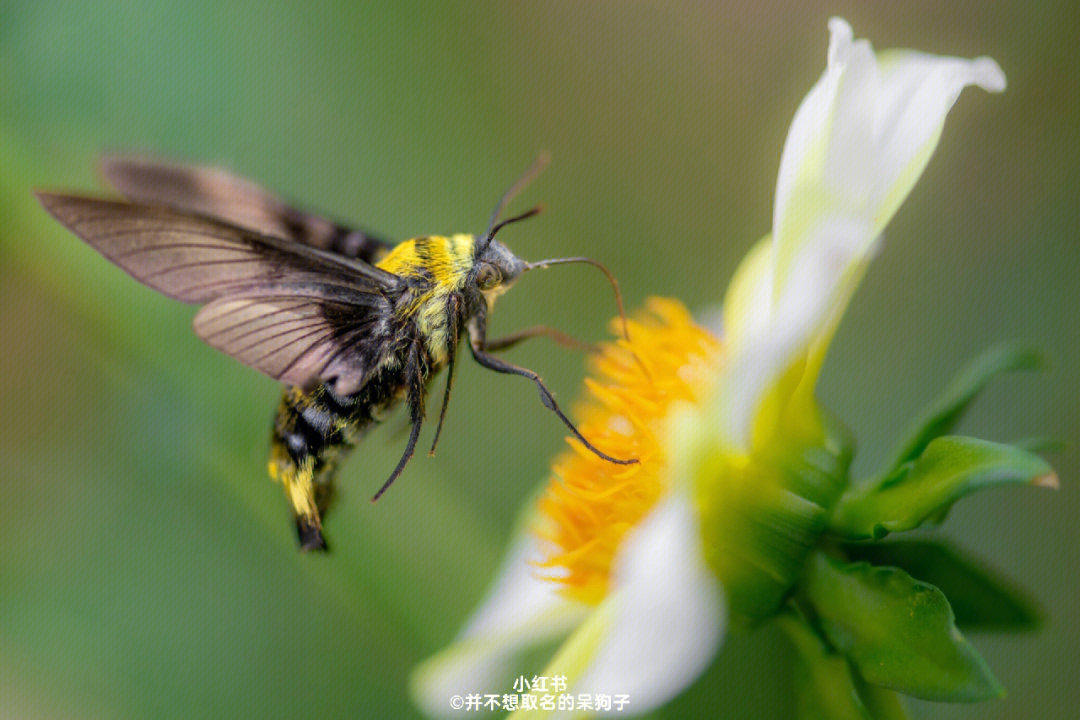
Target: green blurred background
{"x":149,"y":567}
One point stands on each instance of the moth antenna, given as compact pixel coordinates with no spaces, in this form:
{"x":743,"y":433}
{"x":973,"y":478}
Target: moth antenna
{"x":523,"y":216}
{"x":539,"y":164}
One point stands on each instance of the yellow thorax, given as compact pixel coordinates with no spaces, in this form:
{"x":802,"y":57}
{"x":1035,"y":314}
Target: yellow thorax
{"x":443,"y":261}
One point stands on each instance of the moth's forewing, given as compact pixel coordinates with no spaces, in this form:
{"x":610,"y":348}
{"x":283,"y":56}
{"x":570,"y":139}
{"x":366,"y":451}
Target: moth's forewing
{"x":216,"y":193}
{"x":291,"y":311}
{"x":196,"y":259}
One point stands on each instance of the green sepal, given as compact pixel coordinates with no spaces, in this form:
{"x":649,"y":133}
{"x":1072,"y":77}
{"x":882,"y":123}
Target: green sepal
{"x":883,"y":704}
{"x":925,"y":488}
{"x":980,"y":598}
{"x":897,"y":632}
{"x":942,"y":416}
{"x":761,"y":519}
{"x":825,"y":688}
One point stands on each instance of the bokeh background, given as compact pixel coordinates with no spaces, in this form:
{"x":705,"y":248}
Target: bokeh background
{"x":148,"y":566}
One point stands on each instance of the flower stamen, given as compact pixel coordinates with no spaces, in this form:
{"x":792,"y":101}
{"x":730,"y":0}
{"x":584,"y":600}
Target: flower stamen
{"x":589,"y":505}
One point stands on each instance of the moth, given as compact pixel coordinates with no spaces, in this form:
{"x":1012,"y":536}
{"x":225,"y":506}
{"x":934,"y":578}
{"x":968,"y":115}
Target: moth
{"x":350,"y":323}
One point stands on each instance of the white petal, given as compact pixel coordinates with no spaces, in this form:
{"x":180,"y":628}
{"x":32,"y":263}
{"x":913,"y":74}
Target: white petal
{"x":863,"y":135}
{"x":918,"y":90}
{"x":520,"y":611}
{"x":515,"y":594}
{"x":823,"y":272}
{"x":748,"y":301}
{"x":665,"y":618}
{"x":858,"y":143}
{"x":825,"y":163}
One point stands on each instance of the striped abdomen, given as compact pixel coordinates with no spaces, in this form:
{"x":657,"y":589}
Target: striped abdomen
{"x":312,"y":433}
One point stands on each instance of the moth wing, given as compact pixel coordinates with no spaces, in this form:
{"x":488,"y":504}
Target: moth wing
{"x":218,"y":193}
{"x":198,"y":259}
{"x":301,"y":334}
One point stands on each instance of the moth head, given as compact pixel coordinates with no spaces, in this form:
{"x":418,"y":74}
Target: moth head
{"x":496,"y":268}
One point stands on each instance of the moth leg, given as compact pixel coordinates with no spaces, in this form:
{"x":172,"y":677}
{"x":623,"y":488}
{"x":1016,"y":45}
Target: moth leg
{"x":508,"y":341}
{"x":454,"y":313}
{"x":415,"y":399}
{"x":305,"y":444}
{"x":493,"y":363}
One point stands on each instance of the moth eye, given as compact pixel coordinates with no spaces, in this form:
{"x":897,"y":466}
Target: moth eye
{"x":487,"y":276}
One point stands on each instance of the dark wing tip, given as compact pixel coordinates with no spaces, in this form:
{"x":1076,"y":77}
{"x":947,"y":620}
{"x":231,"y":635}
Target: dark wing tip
{"x":56,"y":204}
{"x":46,"y":198}
{"x":108,"y":166}
{"x":70,"y":209}
{"x":120,"y":168}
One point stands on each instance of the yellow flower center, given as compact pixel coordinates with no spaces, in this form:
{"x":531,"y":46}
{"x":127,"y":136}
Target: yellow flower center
{"x":590,"y":504}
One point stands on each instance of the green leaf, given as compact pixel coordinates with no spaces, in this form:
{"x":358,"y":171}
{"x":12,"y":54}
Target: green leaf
{"x":897,"y":632}
{"x":824,"y":686}
{"x":980,"y":599}
{"x":942,"y":416}
{"x":925,"y":489}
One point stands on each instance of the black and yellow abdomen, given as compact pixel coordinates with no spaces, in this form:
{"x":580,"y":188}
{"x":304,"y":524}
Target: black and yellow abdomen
{"x":312,"y":432}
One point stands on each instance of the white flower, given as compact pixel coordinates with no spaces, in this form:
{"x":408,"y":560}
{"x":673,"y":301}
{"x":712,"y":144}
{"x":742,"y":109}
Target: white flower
{"x":634,"y":566}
